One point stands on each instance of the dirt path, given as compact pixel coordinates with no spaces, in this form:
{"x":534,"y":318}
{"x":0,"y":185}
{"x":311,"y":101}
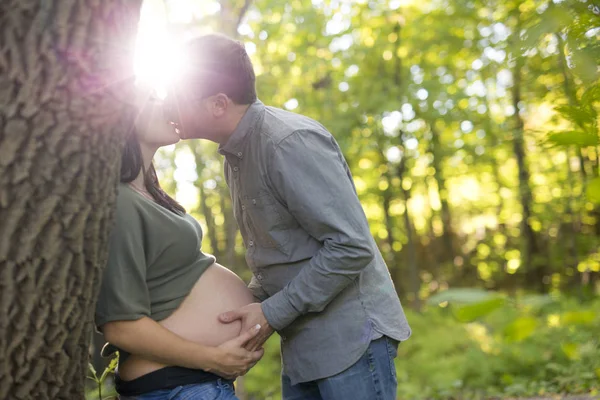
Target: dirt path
{"x":555,"y":397}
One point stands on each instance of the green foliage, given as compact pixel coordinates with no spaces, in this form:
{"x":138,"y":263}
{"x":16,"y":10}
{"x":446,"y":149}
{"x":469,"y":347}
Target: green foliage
{"x":529,"y":346}
{"x":100,"y":382}
{"x":421,"y":96}
{"x":515,"y":350}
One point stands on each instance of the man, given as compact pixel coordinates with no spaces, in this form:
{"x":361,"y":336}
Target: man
{"x":320,"y":279}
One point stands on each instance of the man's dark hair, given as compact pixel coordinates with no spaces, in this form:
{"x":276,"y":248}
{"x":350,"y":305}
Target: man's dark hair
{"x":219,"y":64}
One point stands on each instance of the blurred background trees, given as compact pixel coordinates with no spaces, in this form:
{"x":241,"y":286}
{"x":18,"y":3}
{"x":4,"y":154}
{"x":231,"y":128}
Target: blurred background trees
{"x":471,"y":128}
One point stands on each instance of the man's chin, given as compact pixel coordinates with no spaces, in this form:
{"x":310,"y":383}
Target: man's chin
{"x":181,"y":134}
{"x":186,"y":135}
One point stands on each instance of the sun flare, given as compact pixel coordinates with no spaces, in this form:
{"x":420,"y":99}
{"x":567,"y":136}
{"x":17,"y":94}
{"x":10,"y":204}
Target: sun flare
{"x":158,"y":56}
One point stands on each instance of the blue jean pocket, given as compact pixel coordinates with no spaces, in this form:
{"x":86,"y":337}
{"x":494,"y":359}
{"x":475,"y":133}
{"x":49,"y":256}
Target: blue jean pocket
{"x":392,"y":348}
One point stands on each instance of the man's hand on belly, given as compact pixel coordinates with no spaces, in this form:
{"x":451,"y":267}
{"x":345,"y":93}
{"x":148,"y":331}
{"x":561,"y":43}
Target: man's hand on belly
{"x":250,"y":315}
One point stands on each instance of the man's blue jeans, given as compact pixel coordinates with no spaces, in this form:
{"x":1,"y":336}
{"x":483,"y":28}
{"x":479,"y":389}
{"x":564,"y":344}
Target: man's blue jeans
{"x":373,"y":377}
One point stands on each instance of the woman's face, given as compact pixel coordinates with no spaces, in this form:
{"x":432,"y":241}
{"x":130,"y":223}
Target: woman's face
{"x":152,"y":127}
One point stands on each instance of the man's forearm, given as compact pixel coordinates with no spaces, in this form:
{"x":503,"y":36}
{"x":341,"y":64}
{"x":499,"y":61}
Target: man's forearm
{"x":315,"y":286}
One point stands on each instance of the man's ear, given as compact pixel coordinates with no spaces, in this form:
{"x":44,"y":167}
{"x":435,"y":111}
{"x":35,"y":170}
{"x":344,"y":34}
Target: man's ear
{"x":220,"y":103}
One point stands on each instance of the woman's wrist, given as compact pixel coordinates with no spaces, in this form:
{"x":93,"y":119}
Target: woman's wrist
{"x":208,"y":357}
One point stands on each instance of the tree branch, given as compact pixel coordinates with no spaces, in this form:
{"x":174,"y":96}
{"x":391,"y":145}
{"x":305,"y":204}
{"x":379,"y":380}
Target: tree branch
{"x":242,"y":13}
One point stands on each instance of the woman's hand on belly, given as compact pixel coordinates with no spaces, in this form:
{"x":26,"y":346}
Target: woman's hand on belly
{"x":234,"y":359}
{"x":140,"y":338}
{"x":217,"y":290}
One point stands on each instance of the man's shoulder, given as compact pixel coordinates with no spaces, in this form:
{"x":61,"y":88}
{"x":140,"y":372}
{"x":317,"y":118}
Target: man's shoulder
{"x":280,"y":124}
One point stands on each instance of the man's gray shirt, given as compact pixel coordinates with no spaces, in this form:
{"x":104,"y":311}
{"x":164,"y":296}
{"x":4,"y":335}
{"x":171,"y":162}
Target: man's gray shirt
{"x":323,"y":283}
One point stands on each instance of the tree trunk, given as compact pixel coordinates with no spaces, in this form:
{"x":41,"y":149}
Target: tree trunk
{"x":413,"y":265}
{"x":232,"y":14}
{"x":572,"y":199}
{"x":387,"y":196}
{"x":61,"y":132}
{"x":494,"y":143}
{"x":443,"y":192}
{"x":534,"y":275}
{"x":211,"y":228}
{"x":210,"y":222}
{"x":231,"y":229}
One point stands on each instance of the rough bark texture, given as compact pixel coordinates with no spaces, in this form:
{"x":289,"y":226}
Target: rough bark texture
{"x":61,"y":128}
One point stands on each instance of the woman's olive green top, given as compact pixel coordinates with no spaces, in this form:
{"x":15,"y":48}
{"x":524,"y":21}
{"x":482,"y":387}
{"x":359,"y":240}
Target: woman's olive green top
{"x":154,"y":260}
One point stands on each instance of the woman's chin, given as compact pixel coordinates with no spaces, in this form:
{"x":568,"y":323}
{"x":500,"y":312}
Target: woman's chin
{"x":170,"y":141}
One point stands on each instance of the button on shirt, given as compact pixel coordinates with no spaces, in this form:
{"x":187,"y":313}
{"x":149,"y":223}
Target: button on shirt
{"x":323,"y":283}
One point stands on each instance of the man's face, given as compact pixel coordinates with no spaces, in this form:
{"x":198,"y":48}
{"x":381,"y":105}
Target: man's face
{"x":190,"y":114}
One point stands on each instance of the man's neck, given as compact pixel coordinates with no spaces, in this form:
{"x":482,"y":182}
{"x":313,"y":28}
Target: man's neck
{"x":238,"y":113}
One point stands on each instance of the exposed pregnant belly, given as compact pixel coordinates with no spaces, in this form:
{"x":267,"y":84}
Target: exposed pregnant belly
{"x":218,"y":290}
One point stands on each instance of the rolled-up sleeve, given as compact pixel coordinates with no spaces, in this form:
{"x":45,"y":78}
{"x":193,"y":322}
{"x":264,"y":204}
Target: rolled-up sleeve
{"x":309,"y":174}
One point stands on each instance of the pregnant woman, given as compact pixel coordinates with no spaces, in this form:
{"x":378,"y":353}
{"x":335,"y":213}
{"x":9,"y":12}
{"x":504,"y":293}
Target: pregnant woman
{"x":160,"y":294}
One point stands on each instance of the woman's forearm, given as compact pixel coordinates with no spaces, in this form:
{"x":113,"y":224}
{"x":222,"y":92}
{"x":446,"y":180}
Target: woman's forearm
{"x":148,"y":339}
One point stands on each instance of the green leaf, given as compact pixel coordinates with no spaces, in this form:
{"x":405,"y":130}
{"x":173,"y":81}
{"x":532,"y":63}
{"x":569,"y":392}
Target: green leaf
{"x":591,"y":95}
{"x":536,"y":300}
{"x":585,"y":65}
{"x":578,"y":115}
{"x":112,"y":366}
{"x":593,"y":191}
{"x":571,"y":350}
{"x":553,"y":20}
{"x":462,"y":295}
{"x":93,"y":371}
{"x":520,"y":329}
{"x":578,"y":317}
{"x":577,"y":138}
{"x":471,"y":312}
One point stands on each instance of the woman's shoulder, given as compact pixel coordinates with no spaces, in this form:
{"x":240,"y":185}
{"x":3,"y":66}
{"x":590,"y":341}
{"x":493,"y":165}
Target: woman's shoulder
{"x":128,"y":204}
{"x":125,"y":195}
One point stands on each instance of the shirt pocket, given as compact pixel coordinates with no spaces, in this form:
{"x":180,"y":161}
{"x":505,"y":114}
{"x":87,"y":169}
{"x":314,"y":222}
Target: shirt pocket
{"x":265,"y":222}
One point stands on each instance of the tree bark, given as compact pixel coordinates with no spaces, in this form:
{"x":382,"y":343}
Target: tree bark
{"x":533,"y":273}
{"x":61,"y":132}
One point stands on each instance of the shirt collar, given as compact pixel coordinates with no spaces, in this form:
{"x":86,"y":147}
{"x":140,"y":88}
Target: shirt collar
{"x":248,"y":124}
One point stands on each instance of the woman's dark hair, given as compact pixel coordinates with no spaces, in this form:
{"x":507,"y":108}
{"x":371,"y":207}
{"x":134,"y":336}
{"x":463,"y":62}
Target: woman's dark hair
{"x":132,"y":164}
